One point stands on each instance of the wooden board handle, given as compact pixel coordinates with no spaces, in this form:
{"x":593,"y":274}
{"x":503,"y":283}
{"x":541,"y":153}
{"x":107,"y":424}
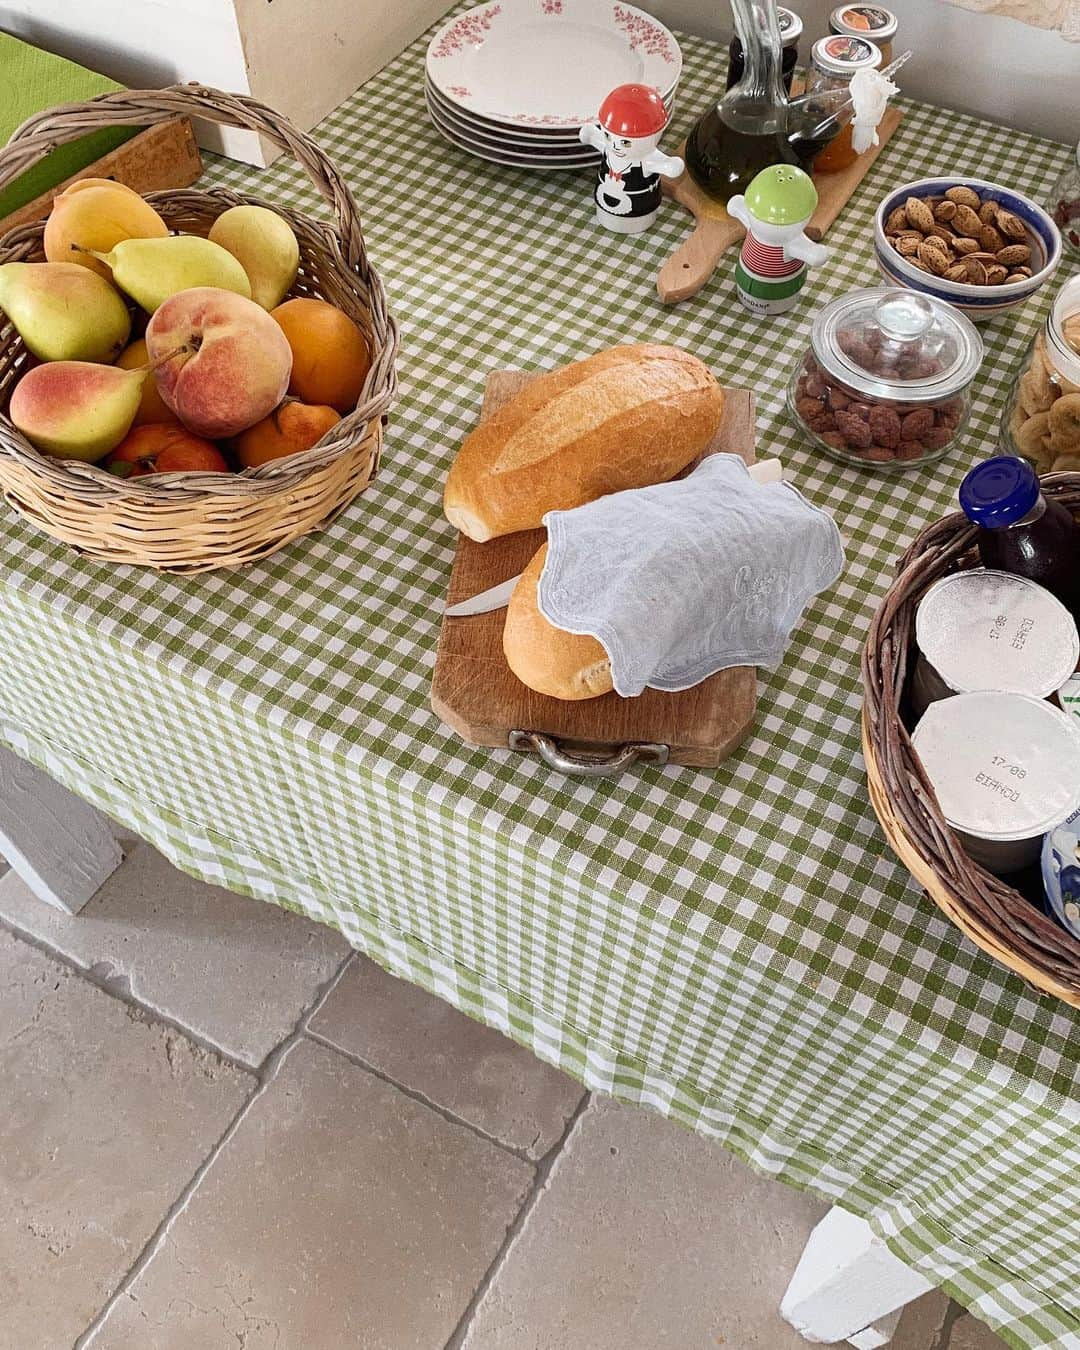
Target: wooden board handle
{"x":693,"y":262}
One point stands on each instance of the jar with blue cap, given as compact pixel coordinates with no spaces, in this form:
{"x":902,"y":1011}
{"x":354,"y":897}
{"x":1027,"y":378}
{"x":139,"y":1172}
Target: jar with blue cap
{"x":1022,"y":531}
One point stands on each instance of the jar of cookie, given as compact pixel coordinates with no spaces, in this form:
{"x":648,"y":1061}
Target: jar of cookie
{"x":886,"y":381}
{"x":1041,"y":420}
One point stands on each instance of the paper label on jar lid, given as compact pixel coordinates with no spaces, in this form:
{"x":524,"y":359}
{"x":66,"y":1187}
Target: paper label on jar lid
{"x":865,"y":18}
{"x":986,"y":629}
{"x":846,"y":50}
{"x":1003,"y":766}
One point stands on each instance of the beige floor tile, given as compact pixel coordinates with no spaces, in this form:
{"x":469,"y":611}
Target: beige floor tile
{"x":431,"y":1048}
{"x":235,"y":971}
{"x":647,"y":1236}
{"x":922,"y":1322}
{"x":105,"y":1118}
{"x":342,"y":1215}
{"x":969,"y":1333}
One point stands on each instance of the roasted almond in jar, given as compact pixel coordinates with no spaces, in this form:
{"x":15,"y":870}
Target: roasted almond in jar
{"x":885,"y":382}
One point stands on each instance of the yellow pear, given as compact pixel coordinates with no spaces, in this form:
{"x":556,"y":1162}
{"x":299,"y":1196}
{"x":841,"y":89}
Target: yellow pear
{"x":75,"y":409}
{"x":263,"y":242}
{"x":63,"y":312}
{"x":152,"y":270}
{"x":95,"y":214}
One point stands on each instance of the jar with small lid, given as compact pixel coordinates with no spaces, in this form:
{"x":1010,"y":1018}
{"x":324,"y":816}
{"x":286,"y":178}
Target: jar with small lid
{"x":833,"y":61}
{"x":791,"y":27}
{"x":886,"y":381}
{"x":1041,"y":420}
{"x":1063,"y":204}
{"x":866,"y":21}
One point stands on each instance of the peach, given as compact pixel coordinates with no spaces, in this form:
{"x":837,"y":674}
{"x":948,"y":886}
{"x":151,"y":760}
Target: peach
{"x":331,"y":358}
{"x":230,"y":364}
{"x":152,"y":409}
{"x":95,"y":213}
{"x":288,"y":430}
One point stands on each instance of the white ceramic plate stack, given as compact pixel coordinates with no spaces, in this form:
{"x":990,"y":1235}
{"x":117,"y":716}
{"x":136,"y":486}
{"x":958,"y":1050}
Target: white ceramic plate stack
{"x":513,"y":80}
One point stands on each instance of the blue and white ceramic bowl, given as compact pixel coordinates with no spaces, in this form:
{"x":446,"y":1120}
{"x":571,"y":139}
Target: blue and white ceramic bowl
{"x":1061,"y":873}
{"x":977,"y":302}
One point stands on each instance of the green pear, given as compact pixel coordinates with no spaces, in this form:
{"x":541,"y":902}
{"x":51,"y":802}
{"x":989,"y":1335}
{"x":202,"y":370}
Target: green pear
{"x":75,"y":409}
{"x":265,"y":245}
{"x":152,"y":270}
{"x":64,"y":312}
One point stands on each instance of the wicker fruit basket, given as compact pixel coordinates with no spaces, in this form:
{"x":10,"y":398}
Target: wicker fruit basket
{"x":994,"y":916}
{"x":198,"y":522}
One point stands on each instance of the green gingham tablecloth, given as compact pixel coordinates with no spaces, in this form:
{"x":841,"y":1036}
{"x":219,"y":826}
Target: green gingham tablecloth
{"x":736,"y":948}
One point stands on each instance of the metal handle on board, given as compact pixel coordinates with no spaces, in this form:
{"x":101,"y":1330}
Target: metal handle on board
{"x":586,"y":764}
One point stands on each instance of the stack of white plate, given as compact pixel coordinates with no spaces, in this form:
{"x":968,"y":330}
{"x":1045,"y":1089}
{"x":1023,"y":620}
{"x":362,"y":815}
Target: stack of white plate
{"x":513,"y":80}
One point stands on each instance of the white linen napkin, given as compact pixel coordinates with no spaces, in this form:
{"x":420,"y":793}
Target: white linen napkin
{"x":687,"y":578}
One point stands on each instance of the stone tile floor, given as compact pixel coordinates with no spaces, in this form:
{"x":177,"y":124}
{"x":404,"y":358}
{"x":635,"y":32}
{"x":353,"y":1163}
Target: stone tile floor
{"x":223,"y":1129}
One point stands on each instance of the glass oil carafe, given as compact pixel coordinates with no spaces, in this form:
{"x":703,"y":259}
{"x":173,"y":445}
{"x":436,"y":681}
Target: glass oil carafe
{"x":748,"y":129}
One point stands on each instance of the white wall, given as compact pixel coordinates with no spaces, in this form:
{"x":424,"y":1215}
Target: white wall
{"x":997,"y":68}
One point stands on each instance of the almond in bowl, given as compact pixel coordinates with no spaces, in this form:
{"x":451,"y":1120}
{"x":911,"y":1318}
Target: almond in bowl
{"x":982,"y":248}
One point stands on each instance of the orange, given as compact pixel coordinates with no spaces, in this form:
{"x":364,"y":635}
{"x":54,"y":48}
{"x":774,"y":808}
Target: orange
{"x":330,"y":354}
{"x":289,"y":429}
{"x":153,"y":408}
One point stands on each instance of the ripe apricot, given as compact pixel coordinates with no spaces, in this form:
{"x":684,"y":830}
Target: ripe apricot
{"x":331,"y":359}
{"x":152,"y":409}
{"x":164,"y":449}
{"x":289,"y":429}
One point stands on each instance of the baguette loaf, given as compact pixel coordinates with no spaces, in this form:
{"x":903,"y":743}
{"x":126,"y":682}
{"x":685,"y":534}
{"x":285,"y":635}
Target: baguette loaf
{"x":559,"y":664}
{"x":624,"y":418}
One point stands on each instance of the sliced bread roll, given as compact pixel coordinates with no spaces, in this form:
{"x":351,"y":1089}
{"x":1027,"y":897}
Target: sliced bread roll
{"x":561,"y":665}
{"x":624,"y":418}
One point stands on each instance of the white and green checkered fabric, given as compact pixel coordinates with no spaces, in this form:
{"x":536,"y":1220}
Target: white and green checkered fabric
{"x":738,"y":948}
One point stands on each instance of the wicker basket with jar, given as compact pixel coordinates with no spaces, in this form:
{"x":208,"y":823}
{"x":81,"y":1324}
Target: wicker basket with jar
{"x":990,"y":911}
{"x":195,"y":522}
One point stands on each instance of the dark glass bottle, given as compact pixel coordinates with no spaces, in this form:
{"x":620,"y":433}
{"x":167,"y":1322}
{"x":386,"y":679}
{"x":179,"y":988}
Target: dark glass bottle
{"x":1020,"y":530}
{"x":790,"y":31}
{"x":747,"y":130}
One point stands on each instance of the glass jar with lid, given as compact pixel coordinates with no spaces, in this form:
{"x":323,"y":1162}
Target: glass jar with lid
{"x":885,"y":383}
{"x":866,"y":21}
{"x":833,"y":61}
{"x":791,"y":27}
{"x":1063,"y":204}
{"x":1041,"y":420}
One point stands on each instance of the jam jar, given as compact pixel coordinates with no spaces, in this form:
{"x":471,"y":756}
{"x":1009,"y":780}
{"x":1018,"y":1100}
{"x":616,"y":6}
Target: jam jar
{"x":1064,"y":204}
{"x":866,"y":21}
{"x":1041,"y":420}
{"x":885,"y":383}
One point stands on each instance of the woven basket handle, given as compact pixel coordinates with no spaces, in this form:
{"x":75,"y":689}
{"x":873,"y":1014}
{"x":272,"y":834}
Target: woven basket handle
{"x":41,"y":133}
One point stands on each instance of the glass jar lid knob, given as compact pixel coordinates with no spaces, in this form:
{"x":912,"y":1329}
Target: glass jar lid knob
{"x":904,"y":316}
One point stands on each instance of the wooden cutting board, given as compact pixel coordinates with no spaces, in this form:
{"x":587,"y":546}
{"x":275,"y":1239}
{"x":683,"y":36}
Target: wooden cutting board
{"x":696,"y":258}
{"x":474,"y":692}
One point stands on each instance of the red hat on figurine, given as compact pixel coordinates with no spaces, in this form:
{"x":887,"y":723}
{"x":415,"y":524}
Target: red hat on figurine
{"x":633,"y":110}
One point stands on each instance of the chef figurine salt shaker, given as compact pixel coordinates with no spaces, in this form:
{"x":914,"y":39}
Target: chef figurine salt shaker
{"x":631,"y":121}
{"x":776,"y":209}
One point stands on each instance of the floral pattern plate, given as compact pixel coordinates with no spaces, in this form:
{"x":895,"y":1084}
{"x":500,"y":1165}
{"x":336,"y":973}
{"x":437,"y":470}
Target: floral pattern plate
{"x":510,"y":156}
{"x":523,"y":138}
{"x":549,"y":63}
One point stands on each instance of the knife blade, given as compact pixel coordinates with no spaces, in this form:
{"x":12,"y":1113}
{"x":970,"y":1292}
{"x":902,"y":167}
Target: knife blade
{"x":495,"y":597}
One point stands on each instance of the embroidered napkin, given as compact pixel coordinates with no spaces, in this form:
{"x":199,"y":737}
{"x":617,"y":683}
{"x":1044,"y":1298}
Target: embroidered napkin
{"x":687,"y":578}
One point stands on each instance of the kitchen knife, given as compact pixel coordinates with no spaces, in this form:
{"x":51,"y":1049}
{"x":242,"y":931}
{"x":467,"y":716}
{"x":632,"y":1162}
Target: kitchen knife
{"x":495,"y":597}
